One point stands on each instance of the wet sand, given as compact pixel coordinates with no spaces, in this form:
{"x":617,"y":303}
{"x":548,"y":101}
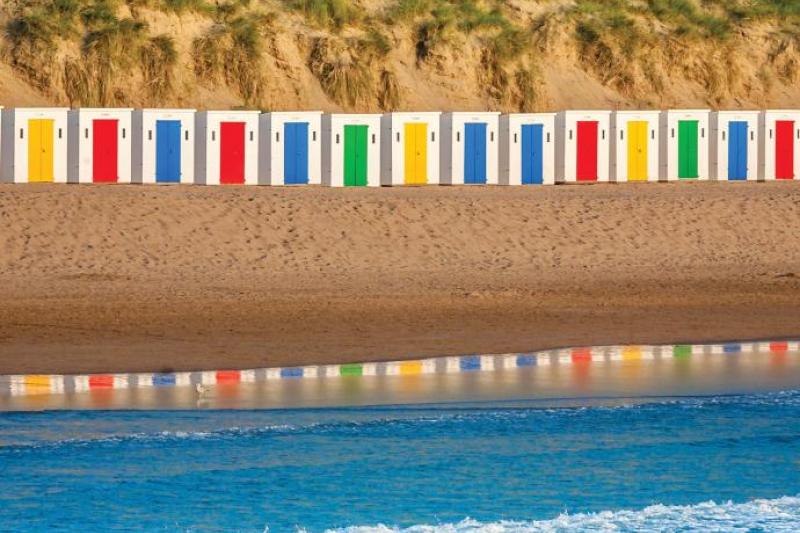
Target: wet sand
{"x":133,"y":278}
{"x":556,"y":383}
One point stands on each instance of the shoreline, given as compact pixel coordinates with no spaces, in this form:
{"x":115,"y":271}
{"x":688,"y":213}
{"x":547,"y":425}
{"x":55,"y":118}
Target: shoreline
{"x":117,"y":279}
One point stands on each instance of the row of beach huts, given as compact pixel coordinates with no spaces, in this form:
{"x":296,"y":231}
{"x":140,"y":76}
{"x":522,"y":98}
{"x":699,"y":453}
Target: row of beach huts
{"x":297,"y":148}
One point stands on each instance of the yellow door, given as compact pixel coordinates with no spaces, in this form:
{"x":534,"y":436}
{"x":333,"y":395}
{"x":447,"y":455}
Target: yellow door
{"x":34,"y":150}
{"x":422,"y":153}
{"x":40,"y":150}
{"x":637,"y":150}
{"x":416,"y":153}
{"x":46,"y":161}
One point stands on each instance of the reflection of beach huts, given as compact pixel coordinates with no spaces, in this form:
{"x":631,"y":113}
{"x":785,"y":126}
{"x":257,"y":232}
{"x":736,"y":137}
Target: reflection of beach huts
{"x":469,"y":151}
{"x":226,"y":147}
{"x":780,"y":134}
{"x":163,"y":146}
{"x":582,"y":148}
{"x":734,"y":145}
{"x":410,"y":148}
{"x":684,"y":144}
{"x":527,"y":149}
{"x":634,"y":153}
{"x":351,"y":150}
{"x":34,"y":144}
{"x":100,"y":145}
{"x":290,"y":151}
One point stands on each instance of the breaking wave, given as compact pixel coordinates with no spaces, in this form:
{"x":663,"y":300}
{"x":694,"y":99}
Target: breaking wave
{"x":777,"y":515}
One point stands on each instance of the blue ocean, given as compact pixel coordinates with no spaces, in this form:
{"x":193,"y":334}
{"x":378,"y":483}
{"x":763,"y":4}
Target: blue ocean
{"x":721,"y":462}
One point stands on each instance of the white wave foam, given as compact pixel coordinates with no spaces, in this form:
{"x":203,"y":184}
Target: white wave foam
{"x":776,"y":515}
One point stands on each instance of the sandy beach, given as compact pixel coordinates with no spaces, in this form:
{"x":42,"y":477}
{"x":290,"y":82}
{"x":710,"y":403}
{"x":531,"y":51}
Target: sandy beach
{"x":137,"y":278}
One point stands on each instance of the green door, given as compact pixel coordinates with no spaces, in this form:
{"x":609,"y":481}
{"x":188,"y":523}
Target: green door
{"x":687,"y":149}
{"x":355,"y":156}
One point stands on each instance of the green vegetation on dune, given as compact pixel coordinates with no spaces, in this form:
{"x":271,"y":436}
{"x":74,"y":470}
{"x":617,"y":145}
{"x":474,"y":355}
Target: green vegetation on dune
{"x":97,"y":41}
{"x":328,"y":13}
{"x":231,"y":50}
{"x":76,"y":49}
{"x":687,"y":19}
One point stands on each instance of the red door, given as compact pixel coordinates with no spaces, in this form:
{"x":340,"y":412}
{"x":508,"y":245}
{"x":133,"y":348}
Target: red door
{"x":104,"y":151}
{"x":231,"y":152}
{"x":784,"y":149}
{"x":586,"y":169}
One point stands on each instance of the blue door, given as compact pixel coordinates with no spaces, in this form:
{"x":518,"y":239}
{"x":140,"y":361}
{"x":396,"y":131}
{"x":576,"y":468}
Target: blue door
{"x":295,"y":153}
{"x":168,"y":151}
{"x":475,"y":152}
{"x":737,"y":150}
{"x":532,"y":148}
{"x":469,"y":155}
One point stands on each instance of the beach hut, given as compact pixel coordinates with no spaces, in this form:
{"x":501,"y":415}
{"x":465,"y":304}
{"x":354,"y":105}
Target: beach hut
{"x":469,"y":151}
{"x":634,"y":153}
{"x":582,"y":146}
{"x":163,"y":146}
{"x":34,"y":144}
{"x":291,"y":150}
{"x":226,"y":147}
{"x":527,"y":149}
{"x":410,"y":148}
{"x":100,"y":145}
{"x":351,"y":150}
{"x":780,"y":146}
{"x":734,"y":145}
{"x":684,"y":144}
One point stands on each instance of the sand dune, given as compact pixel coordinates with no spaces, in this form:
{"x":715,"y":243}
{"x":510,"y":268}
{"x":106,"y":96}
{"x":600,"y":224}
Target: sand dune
{"x":140,"y":278}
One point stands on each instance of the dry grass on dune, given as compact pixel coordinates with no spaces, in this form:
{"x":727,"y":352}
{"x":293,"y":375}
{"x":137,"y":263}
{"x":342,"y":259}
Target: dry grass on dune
{"x":401,"y":54}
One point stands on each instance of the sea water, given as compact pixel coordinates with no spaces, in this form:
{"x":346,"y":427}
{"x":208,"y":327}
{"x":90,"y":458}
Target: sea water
{"x":709,"y":442}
